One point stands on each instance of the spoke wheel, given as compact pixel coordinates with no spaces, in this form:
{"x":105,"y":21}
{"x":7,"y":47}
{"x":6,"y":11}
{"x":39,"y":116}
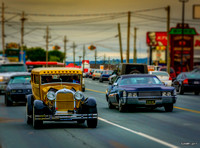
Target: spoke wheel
{"x":28,"y":118}
{"x":36,"y":123}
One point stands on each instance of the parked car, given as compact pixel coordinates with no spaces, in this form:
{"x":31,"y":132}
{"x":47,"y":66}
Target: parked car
{"x":6,"y":70}
{"x":140,"y":90}
{"x":96,"y":74}
{"x":18,"y":87}
{"x":57,"y":96}
{"x":163,"y":76}
{"x":105,"y":75}
{"x":91,"y":72}
{"x":187,"y":82}
{"x":172,"y":72}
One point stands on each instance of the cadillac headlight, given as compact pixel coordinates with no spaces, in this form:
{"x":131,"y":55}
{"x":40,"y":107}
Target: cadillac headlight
{"x":78,"y":95}
{"x":130,"y":95}
{"x":168,"y":93}
{"x":51,"y":95}
{"x":134,"y":94}
{"x":164,"y":93}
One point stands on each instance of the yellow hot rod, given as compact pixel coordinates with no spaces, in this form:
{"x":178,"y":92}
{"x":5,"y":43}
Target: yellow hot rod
{"x":57,"y":96}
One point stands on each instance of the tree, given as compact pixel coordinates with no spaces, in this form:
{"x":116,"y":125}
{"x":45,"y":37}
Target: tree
{"x":36,"y":54}
{"x":55,"y":55}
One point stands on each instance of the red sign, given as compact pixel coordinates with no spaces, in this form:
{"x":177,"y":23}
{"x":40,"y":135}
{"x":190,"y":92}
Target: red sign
{"x":156,"y":38}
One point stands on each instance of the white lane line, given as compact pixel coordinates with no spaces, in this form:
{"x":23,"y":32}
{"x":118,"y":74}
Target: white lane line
{"x":139,"y":133}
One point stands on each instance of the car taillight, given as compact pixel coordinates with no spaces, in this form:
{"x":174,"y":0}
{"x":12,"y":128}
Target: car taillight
{"x":93,"y":75}
{"x":170,"y":78}
{"x":185,"y":81}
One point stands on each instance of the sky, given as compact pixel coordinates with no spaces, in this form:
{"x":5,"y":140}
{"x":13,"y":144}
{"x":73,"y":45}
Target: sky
{"x":87,"y":22}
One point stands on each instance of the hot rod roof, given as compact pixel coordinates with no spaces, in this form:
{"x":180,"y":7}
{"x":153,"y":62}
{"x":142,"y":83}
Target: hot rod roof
{"x":56,"y":70}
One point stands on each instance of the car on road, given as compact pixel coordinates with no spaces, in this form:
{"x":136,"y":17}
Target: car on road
{"x":105,"y":75}
{"x":187,"y":82}
{"x":140,"y":90}
{"x":172,"y":72}
{"x":56,"y":96}
{"x":6,"y":70}
{"x":96,"y":74}
{"x":18,"y":87}
{"x":163,"y":76}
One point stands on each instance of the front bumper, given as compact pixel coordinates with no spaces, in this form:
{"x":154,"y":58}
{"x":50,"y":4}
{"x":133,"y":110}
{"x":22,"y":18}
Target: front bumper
{"x":146,"y":101}
{"x":66,"y":117}
{"x":17,"y":97}
{"x":191,"y":88}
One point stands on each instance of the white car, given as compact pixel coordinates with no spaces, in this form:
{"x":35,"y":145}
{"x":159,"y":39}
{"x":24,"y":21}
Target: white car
{"x":163,"y":76}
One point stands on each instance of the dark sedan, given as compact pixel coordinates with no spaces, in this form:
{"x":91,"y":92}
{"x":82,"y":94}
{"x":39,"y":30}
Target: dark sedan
{"x":105,"y":75}
{"x":187,"y":82}
{"x":140,"y":90}
{"x":18,"y":87}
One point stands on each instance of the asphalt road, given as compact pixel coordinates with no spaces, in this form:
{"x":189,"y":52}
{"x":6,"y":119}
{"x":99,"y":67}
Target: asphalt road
{"x":139,"y":128}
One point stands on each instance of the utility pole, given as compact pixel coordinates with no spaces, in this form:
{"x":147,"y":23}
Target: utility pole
{"x":167,"y":50}
{"x":74,"y":46}
{"x":128,"y":36}
{"x":2,"y":25}
{"x":104,"y":59}
{"x":22,"y":35}
{"x":95,"y":56}
{"x":80,"y":60}
{"x":135,"y":51}
{"x":120,"y":43}
{"x":183,"y":17}
{"x":47,"y":44}
{"x":65,"y":50}
{"x":108,"y":63}
{"x":83,"y":57}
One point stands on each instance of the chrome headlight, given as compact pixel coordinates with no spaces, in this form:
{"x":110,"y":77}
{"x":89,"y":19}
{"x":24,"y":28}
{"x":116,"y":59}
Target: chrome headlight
{"x":124,"y":93}
{"x":51,"y":95}
{"x":169,"y":93}
{"x":78,"y":95}
{"x":130,"y":95}
{"x":134,"y":94}
{"x":164,"y":93}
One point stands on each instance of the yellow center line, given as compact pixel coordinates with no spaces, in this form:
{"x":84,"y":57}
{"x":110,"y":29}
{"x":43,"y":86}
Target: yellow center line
{"x":185,"y":109}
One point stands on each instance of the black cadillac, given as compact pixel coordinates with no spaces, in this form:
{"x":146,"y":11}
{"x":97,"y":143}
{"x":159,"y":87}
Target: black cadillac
{"x":18,"y":87}
{"x":140,"y":90}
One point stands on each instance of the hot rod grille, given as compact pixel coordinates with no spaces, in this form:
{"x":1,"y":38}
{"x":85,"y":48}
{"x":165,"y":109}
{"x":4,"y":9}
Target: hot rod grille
{"x":64,"y":102}
{"x":156,"y":93}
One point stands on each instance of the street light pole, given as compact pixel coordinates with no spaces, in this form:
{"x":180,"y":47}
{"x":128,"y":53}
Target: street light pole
{"x":183,"y":17}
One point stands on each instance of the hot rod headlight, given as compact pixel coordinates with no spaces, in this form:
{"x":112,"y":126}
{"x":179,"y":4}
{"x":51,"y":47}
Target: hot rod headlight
{"x":51,"y":95}
{"x":78,"y":95}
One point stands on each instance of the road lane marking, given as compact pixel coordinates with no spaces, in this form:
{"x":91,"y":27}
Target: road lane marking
{"x":140,"y":134}
{"x":189,"y":110}
{"x":185,"y":109}
{"x":95,"y":91}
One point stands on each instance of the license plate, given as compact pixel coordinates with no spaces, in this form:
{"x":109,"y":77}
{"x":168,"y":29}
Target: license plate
{"x":150,"y":102}
{"x":196,"y":82}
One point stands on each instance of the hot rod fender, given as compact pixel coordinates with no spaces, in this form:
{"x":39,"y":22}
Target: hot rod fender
{"x":29,"y":104}
{"x":89,"y":106}
{"x":41,"y":108}
{"x":90,"y":102}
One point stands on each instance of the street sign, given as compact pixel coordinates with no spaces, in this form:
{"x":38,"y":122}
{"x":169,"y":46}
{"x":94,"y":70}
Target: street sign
{"x":188,"y":31}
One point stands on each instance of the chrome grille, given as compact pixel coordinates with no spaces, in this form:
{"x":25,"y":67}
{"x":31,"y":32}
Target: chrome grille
{"x":64,"y":102}
{"x":155,"y":93}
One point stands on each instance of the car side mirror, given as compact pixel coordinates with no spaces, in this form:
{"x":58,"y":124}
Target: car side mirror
{"x":115,"y":84}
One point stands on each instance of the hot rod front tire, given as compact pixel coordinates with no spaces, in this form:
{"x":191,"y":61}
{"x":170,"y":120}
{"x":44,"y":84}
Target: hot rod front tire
{"x":36,"y":123}
{"x":169,"y":107}
{"x":92,"y":123}
{"x":29,"y":120}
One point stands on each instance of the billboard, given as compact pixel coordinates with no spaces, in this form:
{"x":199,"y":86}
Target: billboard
{"x":156,"y":38}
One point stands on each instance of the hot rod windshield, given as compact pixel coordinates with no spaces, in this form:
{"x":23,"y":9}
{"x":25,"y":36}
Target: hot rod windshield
{"x":61,"y":78}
